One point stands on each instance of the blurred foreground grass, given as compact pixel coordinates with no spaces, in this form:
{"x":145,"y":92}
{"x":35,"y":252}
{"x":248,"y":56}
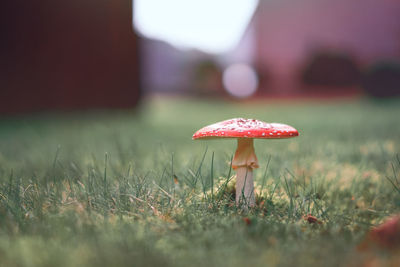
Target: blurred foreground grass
{"x":97,"y":189}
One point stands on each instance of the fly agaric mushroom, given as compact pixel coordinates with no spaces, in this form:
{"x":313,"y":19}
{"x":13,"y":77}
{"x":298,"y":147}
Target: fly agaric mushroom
{"x":245,"y":159}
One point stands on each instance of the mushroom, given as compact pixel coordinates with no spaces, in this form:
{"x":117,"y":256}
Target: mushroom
{"x":245,"y":159}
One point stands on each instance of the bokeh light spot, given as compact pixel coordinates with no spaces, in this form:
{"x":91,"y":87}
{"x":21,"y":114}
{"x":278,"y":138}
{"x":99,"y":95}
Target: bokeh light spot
{"x":240,"y":80}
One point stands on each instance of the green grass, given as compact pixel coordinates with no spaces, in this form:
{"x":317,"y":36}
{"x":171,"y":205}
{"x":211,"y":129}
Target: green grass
{"x":98,"y":189}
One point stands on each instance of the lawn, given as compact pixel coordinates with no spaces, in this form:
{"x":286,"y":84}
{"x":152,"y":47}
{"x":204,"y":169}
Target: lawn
{"x":130,"y":188}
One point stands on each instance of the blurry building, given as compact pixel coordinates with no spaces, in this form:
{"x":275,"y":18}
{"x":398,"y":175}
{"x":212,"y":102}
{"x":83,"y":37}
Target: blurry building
{"x":167,"y":69}
{"x":164,"y":67}
{"x":290,"y":35}
{"x":68,"y":55}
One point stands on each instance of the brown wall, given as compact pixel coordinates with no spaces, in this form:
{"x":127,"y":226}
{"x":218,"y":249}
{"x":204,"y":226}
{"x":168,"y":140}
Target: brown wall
{"x":68,"y":55}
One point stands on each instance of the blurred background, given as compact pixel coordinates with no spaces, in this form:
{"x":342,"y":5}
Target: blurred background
{"x":68,"y":55}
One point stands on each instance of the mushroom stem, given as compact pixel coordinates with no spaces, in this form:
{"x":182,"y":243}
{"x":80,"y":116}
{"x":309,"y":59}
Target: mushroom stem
{"x":245,"y":187}
{"x":244,"y":161}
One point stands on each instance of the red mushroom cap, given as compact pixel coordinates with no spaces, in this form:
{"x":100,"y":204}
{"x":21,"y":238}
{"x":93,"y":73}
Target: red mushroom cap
{"x":245,"y":128}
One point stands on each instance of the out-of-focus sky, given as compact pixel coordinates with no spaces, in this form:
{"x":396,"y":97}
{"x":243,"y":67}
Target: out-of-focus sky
{"x":214,"y":26}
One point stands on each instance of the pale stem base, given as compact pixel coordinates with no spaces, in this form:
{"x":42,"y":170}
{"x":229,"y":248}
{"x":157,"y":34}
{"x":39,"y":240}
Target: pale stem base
{"x":245,"y":187}
{"x":244,"y":161}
